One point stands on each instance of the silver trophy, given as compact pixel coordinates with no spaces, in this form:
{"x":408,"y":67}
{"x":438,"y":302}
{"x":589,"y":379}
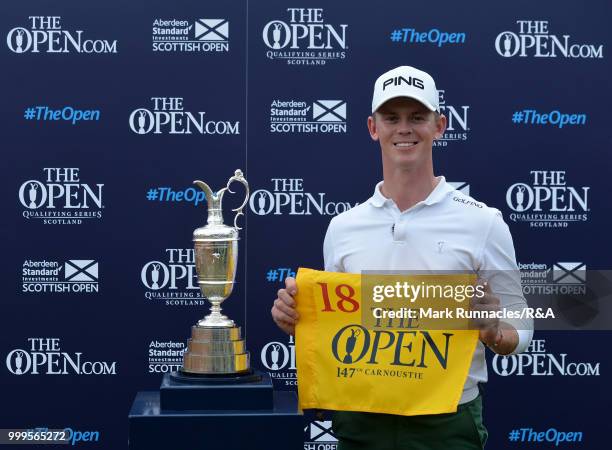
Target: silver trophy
{"x":216,"y":346}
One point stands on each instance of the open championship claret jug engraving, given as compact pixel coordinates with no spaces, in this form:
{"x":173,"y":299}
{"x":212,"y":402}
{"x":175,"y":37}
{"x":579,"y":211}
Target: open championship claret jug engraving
{"x":216,"y":346}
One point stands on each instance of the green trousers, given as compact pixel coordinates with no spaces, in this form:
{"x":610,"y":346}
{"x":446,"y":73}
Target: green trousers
{"x":455,"y":431}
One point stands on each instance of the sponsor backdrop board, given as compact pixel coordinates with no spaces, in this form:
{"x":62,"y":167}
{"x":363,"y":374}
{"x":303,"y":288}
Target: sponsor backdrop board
{"x":110,"y":110}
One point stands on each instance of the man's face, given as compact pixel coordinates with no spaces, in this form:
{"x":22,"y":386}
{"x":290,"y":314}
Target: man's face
{"x":406,"y":130}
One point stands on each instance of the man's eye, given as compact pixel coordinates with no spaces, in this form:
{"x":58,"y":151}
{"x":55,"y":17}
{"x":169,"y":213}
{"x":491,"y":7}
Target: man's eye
{"x":417,"y":118}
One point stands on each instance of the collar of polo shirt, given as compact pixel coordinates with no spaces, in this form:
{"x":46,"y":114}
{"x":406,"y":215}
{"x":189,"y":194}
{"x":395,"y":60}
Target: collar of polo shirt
{"x":442,"y":188}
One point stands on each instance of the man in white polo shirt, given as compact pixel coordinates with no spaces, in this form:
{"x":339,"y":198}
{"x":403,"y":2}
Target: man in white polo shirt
{"x":417,"y":221}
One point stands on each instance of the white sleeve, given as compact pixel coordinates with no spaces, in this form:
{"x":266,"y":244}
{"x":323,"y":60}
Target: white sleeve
{"x":498,"y":266}
{"x":329,"y":250}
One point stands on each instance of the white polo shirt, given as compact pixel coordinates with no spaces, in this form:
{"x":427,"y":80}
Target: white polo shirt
{"x":447,"y":231}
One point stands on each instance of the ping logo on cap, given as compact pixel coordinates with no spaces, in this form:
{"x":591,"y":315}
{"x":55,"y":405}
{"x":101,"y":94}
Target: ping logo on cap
{"x":397,"y":81}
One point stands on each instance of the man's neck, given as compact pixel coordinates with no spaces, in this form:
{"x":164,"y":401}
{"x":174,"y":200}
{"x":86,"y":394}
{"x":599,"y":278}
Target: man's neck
{"x":407,"y":188}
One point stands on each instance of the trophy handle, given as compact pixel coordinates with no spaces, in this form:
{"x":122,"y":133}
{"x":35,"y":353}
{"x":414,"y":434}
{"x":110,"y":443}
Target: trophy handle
{"x":238,"y":176}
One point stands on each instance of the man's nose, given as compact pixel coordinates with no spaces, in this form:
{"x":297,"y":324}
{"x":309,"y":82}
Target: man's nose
{"x":405,"y":127}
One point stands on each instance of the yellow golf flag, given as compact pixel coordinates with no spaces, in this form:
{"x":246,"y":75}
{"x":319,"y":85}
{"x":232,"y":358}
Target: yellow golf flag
{"x":345,"y":364}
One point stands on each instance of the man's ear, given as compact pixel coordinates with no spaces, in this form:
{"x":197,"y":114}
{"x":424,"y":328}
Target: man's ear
{"x":440,"y":126}
{"x":372,"y":127}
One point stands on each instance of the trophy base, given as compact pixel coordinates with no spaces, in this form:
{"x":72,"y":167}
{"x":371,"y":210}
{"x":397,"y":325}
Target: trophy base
{"x":213,"y":351}
{"x":185,"y":392}
{"x":192,"y":416}
{"x":215,"y":378}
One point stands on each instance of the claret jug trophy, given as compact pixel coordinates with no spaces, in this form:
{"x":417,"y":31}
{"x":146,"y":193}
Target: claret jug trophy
{"x":216,"y":400}
{"x":216,"y":347}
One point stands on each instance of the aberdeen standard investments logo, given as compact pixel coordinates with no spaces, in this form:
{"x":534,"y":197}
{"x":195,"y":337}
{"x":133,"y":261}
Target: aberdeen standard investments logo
{"x":548,"y":202}
{"x":534,"y":40}
{"x":306,"y":39}
{"x":297,"y":116}
{"x":173,"y":280}
{"x":61,"y":198}
{"x":200,"y":35}
{"x":168,"y":116}
{"x":43,"y":356}
{"x":46,"y":35}
{"x":560,"y":278}
{"x":320,"y":436}
{"x":165,"y":356}
{"x":288,"y":197}
{"x":537,"y":361}
{"x":72,"y":276}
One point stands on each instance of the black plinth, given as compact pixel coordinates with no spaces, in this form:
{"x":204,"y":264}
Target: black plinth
{"x":179,"y":392}
{"x":211,"y":416}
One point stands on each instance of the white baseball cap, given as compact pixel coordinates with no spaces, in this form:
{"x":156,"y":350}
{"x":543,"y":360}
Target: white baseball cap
{"x":406,"y":81}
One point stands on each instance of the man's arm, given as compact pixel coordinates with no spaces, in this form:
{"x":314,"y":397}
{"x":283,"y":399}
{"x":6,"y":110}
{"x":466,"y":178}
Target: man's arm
{"x":506,"y":339}
{"x":498,"y":267}
{"x":283,"y":309}
{"x":499,"y":336}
